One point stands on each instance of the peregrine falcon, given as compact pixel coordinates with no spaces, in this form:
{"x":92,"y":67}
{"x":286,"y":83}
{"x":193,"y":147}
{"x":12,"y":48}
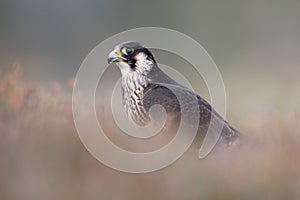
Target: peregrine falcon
{"x":144,"y":84}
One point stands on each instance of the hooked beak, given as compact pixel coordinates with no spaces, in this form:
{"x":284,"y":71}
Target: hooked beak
{"x":114,"y":56}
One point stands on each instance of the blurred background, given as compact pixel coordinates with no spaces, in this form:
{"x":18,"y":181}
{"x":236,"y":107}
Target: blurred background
{"x":255,"y":44}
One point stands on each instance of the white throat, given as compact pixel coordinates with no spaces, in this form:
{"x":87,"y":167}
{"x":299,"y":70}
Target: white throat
{"x":134,"y":81}
{"x":133,"y":78}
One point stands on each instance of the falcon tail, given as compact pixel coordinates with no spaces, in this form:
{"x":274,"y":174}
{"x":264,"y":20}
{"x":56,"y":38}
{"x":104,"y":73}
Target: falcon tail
{"x":231,"y":136}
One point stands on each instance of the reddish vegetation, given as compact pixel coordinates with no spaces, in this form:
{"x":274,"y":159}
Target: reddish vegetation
{"x":41,"y":156}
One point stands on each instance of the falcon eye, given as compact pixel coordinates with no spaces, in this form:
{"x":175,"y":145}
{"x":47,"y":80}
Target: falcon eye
{"x":127,"y":51}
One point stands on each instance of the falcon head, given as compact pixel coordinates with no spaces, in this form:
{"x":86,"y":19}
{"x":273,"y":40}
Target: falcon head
{"x":132,"y":57}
